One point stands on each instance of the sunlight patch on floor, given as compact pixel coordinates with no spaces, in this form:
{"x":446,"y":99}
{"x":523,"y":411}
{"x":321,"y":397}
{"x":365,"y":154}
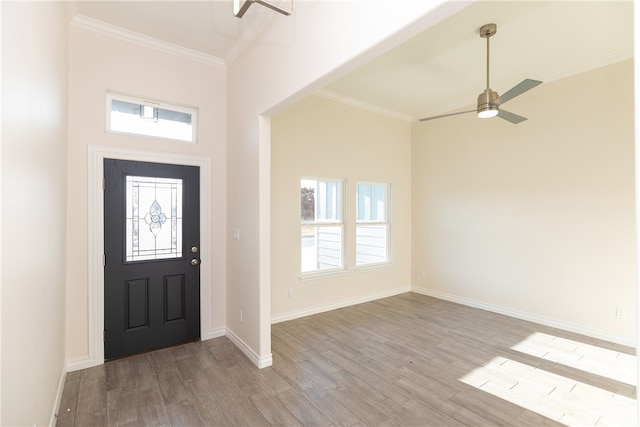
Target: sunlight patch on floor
{"x":553,"y":396}
{"x":586,"y":357}
{"x":557,"y":397}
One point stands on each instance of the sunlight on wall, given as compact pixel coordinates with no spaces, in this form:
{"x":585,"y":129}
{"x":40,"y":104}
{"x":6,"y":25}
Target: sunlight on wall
{"x":561,"y":398}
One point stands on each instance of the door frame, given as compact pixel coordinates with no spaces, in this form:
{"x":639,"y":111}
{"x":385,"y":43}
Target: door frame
{"x":96,"y":156}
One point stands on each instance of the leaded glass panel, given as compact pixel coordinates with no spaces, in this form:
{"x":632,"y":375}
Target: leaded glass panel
{"x":153,"y":218}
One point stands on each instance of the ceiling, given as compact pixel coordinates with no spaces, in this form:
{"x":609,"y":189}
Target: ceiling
{"x":440,"y":70}
{"x":204,"y":26}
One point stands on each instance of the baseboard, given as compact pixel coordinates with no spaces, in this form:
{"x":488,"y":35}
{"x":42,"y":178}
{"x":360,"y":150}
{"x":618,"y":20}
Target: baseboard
{"x":56,"y":403}
{"x":339,"y":304}
{"x":570,"y":327}
{"x":213,"y":333}
{"x":84,"y":363}
{"x":256,"y":359}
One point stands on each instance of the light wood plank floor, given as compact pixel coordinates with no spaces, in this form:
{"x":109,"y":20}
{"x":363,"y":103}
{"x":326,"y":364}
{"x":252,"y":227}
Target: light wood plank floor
{"x":407,"y":360}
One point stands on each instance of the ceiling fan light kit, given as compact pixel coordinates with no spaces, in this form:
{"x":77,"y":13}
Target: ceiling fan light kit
{"x":489,"y":100}
{"x":486,"y":108}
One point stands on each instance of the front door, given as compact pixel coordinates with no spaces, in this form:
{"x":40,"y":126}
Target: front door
{"x":152,"y":256}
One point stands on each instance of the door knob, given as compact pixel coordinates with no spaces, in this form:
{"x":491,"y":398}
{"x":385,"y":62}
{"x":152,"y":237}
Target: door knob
{"x":195,"y":261}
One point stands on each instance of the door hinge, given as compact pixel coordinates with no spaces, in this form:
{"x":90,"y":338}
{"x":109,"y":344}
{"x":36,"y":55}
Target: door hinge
{"x":104,"y":260}
{"x":104,"y":336}
{"x":103,"y":184}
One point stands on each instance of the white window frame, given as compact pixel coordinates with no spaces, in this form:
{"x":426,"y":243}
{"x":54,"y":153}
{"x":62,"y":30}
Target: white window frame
{"x":193,"y":111}
{"x":310,"y":274}
{"x":386,"y":223}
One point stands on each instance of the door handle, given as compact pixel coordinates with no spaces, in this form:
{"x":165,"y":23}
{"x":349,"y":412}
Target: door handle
{"x":195,"y":261}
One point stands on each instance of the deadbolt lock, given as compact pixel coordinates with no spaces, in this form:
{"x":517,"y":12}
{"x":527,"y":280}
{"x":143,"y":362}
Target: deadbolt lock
{"x":194,"y":249}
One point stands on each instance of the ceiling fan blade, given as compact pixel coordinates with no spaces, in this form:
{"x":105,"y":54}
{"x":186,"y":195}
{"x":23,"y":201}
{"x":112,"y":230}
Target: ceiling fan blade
{"x":519,"y":89}
{"x":511,"y":117}
{"x":424,"y":119}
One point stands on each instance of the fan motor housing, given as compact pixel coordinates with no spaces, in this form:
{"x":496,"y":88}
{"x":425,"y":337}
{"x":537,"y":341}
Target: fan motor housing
{"x":486,"y":99}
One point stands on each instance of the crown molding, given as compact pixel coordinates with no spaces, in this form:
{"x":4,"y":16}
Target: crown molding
{"x":613,"y":58}
{"x":90,"y":24}
{"x":363,"y":105}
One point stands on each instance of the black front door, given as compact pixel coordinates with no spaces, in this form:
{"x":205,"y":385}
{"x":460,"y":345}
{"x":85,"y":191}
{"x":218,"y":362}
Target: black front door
{"x":152,"y":256}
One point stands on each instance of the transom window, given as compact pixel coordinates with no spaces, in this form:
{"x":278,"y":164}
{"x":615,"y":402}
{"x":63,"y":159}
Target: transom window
{"x":149,"y":118}
{"x":322,"y":226}
{"x":372,"y":225}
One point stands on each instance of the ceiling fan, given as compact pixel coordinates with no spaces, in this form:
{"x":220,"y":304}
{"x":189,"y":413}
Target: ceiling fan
{"x":489,"y":101}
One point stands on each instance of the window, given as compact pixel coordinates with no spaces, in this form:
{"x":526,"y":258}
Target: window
{"x":322,"y":225}
{"x":372,"y":225}
{"x":149,"y":118}
{"x":153,"y":218}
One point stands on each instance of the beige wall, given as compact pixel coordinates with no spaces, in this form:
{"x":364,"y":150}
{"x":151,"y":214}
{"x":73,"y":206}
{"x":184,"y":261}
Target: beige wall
{"x":322,"y":138}
{"x":535,"y":219}
{"x":34,"y":140}
{"x":99,"y":63}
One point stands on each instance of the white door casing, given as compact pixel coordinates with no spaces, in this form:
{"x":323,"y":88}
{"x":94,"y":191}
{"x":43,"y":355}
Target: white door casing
{"x":95,"y":225}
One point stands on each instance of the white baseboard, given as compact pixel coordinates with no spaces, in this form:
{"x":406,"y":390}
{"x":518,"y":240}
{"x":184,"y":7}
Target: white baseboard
{"x":335,"y":305}
{"x":56,"y":403}
{"x":84,"y":363}
{"x":256,"y":359}
{"x":571,"y":327}
{"x":214,"y":333}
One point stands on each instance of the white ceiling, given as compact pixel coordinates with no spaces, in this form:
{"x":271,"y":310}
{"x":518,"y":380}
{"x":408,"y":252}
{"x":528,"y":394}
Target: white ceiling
{"x":441,"y":70}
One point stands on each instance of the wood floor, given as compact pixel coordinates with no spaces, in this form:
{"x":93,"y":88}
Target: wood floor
{"x":407,"y":360}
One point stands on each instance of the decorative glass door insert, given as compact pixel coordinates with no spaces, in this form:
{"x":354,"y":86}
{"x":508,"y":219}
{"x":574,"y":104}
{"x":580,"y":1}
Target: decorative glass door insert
{"x":153,"y":218}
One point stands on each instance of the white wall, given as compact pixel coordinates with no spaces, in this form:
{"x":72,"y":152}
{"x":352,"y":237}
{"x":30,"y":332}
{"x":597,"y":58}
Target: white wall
{"x":99,"y":63}
{"x":534,"y":219}
{"x":323,"y":138}
{"x":295,"y":55}
{"x":34,"y":140}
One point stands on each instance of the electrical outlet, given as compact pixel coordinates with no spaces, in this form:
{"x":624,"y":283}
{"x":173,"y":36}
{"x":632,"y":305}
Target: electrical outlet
{"x":620,"y":313}
{"x":240,"y":315}
{"x":290,"y":292}
{"x":236,"y":234}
